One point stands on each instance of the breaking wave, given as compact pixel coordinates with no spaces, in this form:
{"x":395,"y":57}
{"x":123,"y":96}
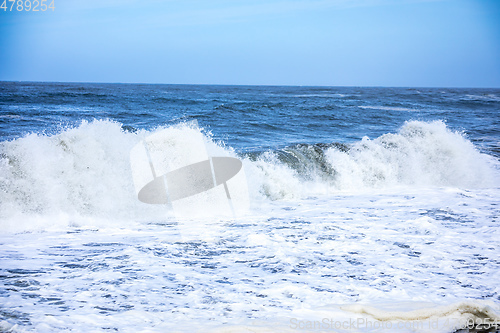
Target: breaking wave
{"x":84,"y":172}
{"x":420,"y":154}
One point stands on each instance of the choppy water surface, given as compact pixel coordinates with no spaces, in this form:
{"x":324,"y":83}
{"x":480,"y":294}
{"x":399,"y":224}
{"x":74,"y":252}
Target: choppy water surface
{"x":373,"y":205}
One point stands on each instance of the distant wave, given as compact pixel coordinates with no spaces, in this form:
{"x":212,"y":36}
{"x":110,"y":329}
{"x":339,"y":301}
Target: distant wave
{"x":319,"y":95}
{"x":385,"y":108}
{"x":482,"y":98}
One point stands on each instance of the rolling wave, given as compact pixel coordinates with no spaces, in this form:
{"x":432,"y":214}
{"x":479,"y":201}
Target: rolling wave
{"x":84,"y":172}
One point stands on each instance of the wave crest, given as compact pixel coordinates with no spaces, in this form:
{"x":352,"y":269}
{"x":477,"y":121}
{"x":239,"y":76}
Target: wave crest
{"x":85,"y":171}
{"x":420,"y":154}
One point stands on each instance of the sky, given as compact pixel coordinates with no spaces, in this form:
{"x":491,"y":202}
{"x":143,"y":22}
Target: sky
{"x":409,"y":43}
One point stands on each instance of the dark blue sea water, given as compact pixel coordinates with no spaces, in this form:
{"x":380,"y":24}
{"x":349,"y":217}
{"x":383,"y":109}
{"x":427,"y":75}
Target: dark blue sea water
{"x":252,"y":117}
{"x":375,"y":206}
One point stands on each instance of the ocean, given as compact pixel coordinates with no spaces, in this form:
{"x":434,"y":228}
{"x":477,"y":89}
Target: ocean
{"x":363,"y":209}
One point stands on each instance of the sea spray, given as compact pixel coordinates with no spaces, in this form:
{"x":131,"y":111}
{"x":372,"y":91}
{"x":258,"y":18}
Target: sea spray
{"x":420,"y":154}
{"x":84,"y":172}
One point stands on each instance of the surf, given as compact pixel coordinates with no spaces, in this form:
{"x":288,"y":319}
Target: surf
{"x":84,"y":172}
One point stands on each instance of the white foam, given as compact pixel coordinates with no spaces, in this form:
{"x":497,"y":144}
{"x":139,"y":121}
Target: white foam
{"x":83,"y":174}
{"x":342,"y":256}
{"x":421,"y":154}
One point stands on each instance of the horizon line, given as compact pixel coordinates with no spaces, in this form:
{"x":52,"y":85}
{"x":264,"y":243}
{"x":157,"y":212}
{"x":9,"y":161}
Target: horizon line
{"x":250,"y":85}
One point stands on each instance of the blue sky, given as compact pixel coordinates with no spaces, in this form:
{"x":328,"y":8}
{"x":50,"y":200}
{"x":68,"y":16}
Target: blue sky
{"x":431,"y":43}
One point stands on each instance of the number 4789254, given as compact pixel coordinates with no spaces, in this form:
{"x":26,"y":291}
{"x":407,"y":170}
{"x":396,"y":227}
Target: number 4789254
{"x":27,"y":5}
